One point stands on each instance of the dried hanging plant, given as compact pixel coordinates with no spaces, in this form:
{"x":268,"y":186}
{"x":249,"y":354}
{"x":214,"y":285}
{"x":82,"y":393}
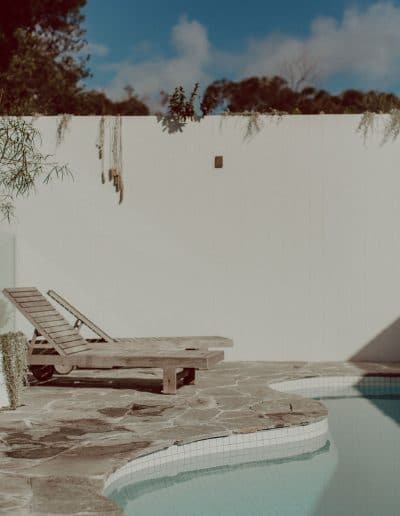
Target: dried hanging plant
{"x":115,"y":173}
{"x":114,"y":130}
{"x":366,"y":124}
{"x":100,"y":146}
{"x":254,"y":124}
{"x":13,"y":347}
{"x":392,"y":126}
{"x":62,"y":126}
{"x":255,"y":120}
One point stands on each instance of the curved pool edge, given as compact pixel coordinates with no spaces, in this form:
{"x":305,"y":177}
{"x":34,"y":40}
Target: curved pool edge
{"x":279,"y":443}
{"x":306,"y":438}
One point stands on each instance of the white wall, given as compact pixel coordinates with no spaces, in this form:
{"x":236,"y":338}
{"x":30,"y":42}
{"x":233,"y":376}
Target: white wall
{"x":292,"y":249}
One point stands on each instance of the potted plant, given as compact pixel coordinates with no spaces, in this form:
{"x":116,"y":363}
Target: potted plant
{"x":13,"y":369}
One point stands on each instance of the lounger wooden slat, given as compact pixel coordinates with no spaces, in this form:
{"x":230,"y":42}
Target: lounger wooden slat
{"x":49,"y":318}
{"x":55,"y":324}
{"x":61,"y":341}
{"x":34,"y":309}
{"x":16,"y":290}
{"x":62,"y":331}
{"x":57,"y":333}
{"x":26,"y":299}
{"x":45,"y":314}
{"x":56,"y":343}
{"x":30,"y":304}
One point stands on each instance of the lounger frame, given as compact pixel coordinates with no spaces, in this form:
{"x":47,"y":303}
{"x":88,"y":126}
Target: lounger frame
{"x":56,"y":343}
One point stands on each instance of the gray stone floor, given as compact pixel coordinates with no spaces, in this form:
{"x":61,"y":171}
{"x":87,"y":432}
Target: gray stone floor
{"x":72,"y":433}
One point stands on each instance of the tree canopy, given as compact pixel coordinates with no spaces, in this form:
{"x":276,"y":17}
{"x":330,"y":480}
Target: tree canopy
{"x":273,"y":94}
{"x":42,"y":62}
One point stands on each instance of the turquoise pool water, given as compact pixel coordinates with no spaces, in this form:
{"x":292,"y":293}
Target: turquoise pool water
{"x":356,"y":473}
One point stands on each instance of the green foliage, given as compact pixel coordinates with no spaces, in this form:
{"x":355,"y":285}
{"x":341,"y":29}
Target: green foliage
{"x":273,"y":95}
{"x":39,"y":40}
{"x":180,"y":109}
{"x":22,"y":163}
{"x":13,"y":347}
{"x":97,"y":103}
{"x":42,"y":62}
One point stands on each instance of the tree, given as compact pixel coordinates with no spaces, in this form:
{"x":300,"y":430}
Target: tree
{"x":42,"y":65}
{"x":39,"y":70}
{"x":300,"y":71}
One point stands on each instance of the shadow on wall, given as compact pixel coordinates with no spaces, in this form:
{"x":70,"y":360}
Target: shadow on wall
{"x":384,"y":347}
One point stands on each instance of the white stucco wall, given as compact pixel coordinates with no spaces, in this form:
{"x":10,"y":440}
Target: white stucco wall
{"x":292,"y":249}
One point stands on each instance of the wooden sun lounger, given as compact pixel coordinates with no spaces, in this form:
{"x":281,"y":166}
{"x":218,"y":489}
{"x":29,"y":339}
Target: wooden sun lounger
{"x":58,"y":344}
{"x":148,"y":342}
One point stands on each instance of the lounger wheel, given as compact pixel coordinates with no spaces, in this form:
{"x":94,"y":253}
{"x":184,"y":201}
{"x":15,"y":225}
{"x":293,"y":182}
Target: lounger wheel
{"x":42,"y":372}
{"x":63,"y":369}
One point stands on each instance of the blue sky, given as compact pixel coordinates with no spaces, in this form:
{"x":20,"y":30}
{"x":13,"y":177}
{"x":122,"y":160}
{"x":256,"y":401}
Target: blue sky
{"x":159,"y":44}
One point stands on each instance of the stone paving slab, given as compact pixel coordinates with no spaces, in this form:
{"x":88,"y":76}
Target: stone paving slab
{"x":57,"y":450}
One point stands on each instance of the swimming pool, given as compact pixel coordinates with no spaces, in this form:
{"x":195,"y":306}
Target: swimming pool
{"x":352,"y":470}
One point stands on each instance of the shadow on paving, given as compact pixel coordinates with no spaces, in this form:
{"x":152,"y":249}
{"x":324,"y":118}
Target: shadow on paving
{"x":86,"y":382}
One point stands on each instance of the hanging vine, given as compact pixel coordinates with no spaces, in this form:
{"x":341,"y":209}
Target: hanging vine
{"x":115,"y":172}
{"x":255,"y":120}
{"x":391,"y":125}
{"x":112,"y":128}
{"x":13,"y":347}
{"x":367,"y":124}
{"x":100,"y":146}
{"x":62,"y":126}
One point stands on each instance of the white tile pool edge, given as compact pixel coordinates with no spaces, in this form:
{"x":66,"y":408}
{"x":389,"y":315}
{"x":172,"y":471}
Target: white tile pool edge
{"x":151,"y":466}
{"x":334,"y":382}
{"x":277,"y":443}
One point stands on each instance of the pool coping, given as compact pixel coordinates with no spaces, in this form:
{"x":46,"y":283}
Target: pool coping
{"x":313,"y":435}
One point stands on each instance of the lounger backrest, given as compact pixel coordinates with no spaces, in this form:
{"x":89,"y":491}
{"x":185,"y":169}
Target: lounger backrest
{"x":47,"y":320}
{"x":76,"y":313}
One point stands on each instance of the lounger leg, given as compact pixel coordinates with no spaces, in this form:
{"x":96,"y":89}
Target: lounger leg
{"x":169,"y":380}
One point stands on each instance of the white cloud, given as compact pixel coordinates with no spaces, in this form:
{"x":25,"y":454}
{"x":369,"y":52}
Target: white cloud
{"x":192,"y":55}
{"x":96,"y":49}
{"x":364,"y":44}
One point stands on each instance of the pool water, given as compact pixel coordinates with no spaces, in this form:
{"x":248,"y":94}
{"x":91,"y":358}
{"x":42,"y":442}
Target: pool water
{"x":356,"y":472}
